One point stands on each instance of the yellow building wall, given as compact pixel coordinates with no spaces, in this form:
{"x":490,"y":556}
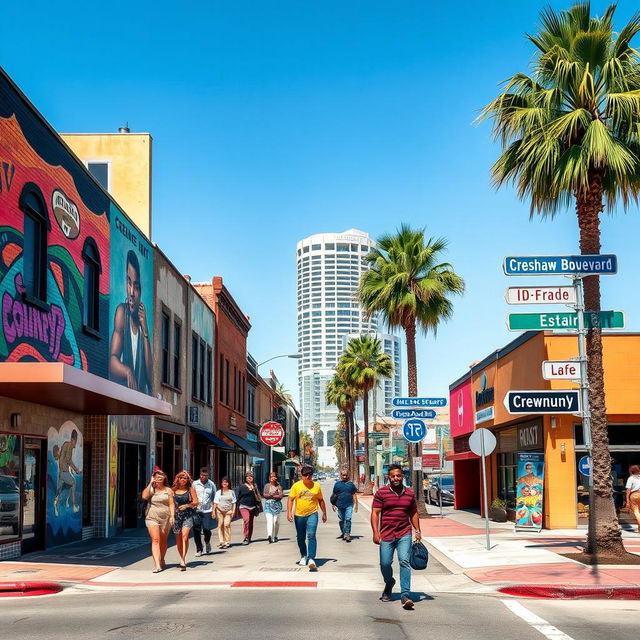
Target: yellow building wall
{"x":129,"y":158}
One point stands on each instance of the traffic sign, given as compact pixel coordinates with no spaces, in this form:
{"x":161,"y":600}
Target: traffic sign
{"x":565,"y":320}
{"x":271,"y":433}
{"x":419,"y":402}
{"x":561,"y":369}
{"x":541,"y":295}
{"x":414,"y":430}
{"x":407,"y":414}
{"x":584,"y":464}
{"x":482,"y":442}
{"x":521,"y":402}
{"x":582,"y":265}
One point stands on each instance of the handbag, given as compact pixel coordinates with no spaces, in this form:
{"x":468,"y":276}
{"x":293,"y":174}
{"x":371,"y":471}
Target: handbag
{"x":419,"y":557}
{"x":258,"y":503}
{"x":333,"y":499}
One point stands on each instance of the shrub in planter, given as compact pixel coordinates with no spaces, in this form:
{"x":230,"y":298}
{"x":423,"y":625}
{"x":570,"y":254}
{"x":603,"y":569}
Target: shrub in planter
{"x":498,"y":510}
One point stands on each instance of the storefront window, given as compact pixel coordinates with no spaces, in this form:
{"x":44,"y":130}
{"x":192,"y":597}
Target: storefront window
{"x":10,"y":483}
{"x":507,"y":464}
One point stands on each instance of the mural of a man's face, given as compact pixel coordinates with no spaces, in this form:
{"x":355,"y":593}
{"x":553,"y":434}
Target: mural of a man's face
{"x":529,"y":468}
{"x":133,"y":288}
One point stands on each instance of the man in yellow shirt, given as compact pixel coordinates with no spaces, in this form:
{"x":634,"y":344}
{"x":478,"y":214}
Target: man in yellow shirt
{"x":306,"y":495}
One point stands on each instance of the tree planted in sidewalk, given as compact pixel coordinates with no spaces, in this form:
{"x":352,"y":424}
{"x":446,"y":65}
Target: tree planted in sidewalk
{"x":410,"y":288}
{"x":570,"y":134}
{"x":339,"y":393}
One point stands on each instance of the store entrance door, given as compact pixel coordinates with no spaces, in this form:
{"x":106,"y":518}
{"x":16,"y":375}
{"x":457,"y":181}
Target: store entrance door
{"x":34,"y":495}
{"x":131,"y":482}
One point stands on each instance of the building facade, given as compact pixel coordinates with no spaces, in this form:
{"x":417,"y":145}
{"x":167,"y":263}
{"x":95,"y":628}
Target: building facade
{"x":477,"y":400}
{"x":329,"y":266}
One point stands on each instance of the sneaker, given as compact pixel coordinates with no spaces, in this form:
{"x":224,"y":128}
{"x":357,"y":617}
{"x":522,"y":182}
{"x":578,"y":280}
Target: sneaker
{"x":312,"y":565}
{"x":208,"y":547}
{"x":198,"y":554}
{"x":275,"y":539}
{"x":407,"y":602}
{"x":269,"y":539}
{"x":347,"y":537}
{"x":245,"y":541}
{"x":388,"y":588}
{"x":302,"y":562}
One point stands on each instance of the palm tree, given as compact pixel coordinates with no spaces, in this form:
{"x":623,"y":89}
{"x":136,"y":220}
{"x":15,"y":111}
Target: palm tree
{"x":570,"y":134}
{"x":361,"y":365}
{"x":339,"y":441}
{"x":408,"y":286}
{"x":339,"y":393}
{"x":283,"y":393}
{"x":306,"y":444}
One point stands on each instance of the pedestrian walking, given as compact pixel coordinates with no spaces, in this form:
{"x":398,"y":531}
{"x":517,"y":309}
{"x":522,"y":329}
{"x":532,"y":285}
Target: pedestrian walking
{"x":249,"y":503}
{"x":185,"y":500}
{"x":633,"y":492}
{"x":344,"y":500}
{"x":203,"y":516}
{"x":225,"y":506}
{"x":273,"y":494}
{"x":306,"y":496}
{"x":159,"y":516}
{"x":393,"y":513}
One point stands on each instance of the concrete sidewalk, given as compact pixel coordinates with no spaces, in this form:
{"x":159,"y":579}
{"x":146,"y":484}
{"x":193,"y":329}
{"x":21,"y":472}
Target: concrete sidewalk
{"x":458,"y":540}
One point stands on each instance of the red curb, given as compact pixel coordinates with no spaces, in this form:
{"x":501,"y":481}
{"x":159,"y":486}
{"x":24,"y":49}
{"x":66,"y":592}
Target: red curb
{"x":266,"y":583}
{"x":602,"y":592}
{"x":19,"y":589}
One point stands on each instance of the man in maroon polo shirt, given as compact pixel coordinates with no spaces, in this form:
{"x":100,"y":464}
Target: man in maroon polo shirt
{"x":393,"y":514}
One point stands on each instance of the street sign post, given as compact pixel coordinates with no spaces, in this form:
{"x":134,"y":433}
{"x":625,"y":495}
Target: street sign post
{"x":482,"y":442}
{"x":580,"y":265}
{"x":414,"y":430}
{"x":561,"y":369}
{"x":567,"y":320}
{"x":522,"y":402}
{"x":541,"y":295}
{"x":419,"y":402}
{"x":271,"y":434}
{"x":407,"y":414}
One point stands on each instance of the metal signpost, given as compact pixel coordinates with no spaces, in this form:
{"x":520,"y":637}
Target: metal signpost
{"x":482,"y":442}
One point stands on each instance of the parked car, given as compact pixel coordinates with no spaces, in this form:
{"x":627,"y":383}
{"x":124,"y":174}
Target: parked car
{"x":439,"y":485}
{"x":9,"y":503}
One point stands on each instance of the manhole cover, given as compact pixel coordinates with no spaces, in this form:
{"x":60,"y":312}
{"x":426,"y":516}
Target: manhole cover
{"x":153,"y":627}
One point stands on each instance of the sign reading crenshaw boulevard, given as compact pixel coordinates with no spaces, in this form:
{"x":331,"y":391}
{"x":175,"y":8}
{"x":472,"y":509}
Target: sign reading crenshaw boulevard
{"x":605,"y":264}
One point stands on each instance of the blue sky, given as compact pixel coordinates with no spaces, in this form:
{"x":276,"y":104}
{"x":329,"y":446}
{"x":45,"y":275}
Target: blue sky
{"x":275,"y":120}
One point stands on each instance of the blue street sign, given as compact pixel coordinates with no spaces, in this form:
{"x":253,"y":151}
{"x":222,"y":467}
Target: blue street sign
{"x":602,"y":265}
{"x":585,"y":465}
{"x":407,"y":414}
{"x":414,"y":430}
{"x":419,"y":402}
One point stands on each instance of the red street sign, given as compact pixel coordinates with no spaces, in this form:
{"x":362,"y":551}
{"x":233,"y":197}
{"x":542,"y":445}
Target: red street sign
{"x":431,"y":460}
{"x":271,"y":433}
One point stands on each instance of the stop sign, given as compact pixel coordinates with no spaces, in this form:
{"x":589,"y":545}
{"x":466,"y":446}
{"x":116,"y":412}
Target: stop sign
{"x":271,"y":433}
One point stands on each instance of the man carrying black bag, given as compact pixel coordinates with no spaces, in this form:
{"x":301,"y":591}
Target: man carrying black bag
{"x":393,"y":514}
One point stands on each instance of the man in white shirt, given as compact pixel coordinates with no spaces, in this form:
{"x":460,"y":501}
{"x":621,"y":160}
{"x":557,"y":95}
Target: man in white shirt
{"x":203,"y":521}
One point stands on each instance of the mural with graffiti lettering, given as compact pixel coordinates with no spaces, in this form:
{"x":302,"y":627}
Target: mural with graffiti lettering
{"x":64,"y":484}
{"x":49,"y":329}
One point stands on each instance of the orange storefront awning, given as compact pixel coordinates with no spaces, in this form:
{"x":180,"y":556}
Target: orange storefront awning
{"x":60,"y":385}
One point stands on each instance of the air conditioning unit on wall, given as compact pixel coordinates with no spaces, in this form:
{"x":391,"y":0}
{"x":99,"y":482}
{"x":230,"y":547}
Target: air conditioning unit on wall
{"x":193,"y":415}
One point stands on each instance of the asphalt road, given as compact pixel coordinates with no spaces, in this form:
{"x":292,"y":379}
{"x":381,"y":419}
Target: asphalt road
{"x":249,"y":614}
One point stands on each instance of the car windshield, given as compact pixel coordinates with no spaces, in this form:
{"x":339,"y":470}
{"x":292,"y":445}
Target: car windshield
{"x":446,"y":482}
{"x":7,"y":485}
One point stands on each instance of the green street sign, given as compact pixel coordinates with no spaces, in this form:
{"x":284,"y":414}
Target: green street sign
{"x":563,"y":321}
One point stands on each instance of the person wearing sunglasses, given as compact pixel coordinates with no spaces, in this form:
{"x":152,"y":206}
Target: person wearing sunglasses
{"x":305,"y":497}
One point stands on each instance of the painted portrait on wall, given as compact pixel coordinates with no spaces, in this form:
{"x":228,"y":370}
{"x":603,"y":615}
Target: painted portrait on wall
{"x":64,"y":484}
{"x":131,"y":306}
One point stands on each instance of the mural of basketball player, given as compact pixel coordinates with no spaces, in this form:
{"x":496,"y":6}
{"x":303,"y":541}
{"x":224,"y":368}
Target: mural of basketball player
{"x":130,"y":355}
{"x":530,"y":477}
{"x":66,"y":479}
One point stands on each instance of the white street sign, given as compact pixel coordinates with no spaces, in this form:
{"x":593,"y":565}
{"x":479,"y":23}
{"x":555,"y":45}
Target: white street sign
{"x":561,"y":369}
{"x":541,"y":295}
{"x":417,"y":463}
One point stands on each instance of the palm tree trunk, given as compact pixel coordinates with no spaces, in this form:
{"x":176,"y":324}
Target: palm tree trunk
{"x":414,"y":450}
{"x":353,"y":466}
{"x":368,"y":487}
{"x":604,"y":537}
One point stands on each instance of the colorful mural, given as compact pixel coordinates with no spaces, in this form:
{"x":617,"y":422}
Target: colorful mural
{"x":64,"y":484}
{"x":51,"y":332}
{"x":131,"y":306}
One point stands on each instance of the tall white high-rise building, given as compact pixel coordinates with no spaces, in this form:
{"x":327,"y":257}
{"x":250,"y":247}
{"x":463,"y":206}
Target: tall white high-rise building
{"x":329,"y":266}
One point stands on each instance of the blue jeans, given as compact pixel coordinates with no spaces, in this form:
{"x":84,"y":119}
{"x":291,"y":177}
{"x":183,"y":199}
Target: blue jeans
{"x":403,"y":547}
{"x":344,"y":516}
{"x":306,"y":527}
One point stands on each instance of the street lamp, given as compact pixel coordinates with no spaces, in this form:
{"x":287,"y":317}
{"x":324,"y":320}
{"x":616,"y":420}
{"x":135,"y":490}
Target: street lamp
{"x":296,"y":356}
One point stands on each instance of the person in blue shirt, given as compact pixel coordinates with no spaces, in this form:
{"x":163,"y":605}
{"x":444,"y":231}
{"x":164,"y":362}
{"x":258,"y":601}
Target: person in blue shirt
{"x":344,"y":500}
